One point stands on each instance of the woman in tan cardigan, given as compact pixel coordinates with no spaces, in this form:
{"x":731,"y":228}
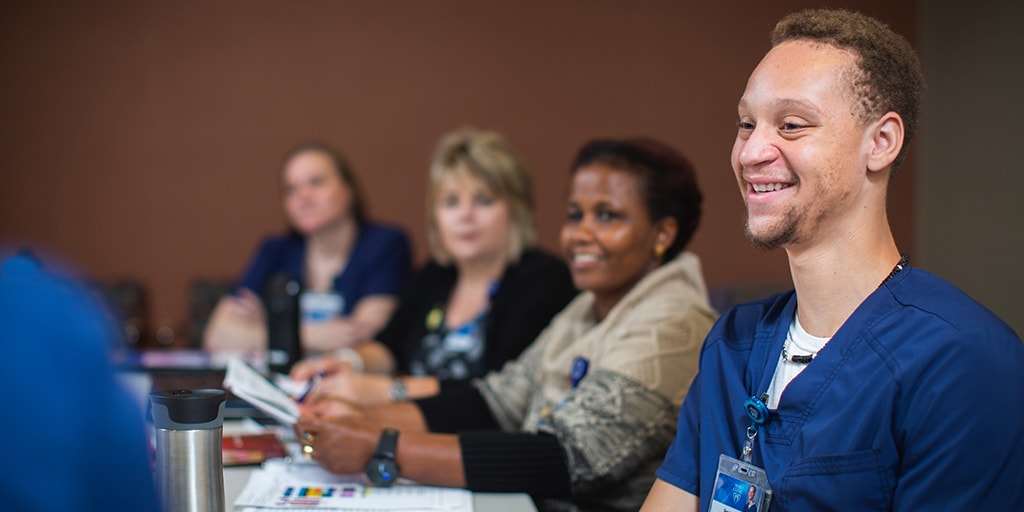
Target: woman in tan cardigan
{"x":582,"y":418}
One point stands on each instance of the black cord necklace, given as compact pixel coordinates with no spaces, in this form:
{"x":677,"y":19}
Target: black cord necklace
{"x":800,"y":359}
{"x":804,"y":359}
{"x":904,"y":259}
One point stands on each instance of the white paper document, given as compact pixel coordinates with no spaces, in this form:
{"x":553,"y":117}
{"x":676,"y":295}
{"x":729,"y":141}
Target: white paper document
{"x":281,"y":484}
{"x":249,"y":385}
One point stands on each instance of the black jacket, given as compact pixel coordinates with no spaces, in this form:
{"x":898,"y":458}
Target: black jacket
{"x":532,"y":291}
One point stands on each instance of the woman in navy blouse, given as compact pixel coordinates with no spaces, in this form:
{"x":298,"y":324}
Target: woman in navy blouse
{"x":351,"y":270}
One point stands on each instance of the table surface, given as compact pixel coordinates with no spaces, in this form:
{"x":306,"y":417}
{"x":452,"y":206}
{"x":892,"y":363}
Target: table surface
{"x":235,"y":478}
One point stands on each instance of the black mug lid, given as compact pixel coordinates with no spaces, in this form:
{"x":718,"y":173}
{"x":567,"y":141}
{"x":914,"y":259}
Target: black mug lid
{"x":188,"y":408}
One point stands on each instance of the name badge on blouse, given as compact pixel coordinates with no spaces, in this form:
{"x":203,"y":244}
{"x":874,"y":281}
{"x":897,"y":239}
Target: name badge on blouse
{"x":459,"y":342}
{"x":320,"y":307}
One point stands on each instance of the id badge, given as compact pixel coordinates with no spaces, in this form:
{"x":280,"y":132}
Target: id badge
{"x":320,"y":307}
{"x":740,"y":487}
{"x":459,"y":342}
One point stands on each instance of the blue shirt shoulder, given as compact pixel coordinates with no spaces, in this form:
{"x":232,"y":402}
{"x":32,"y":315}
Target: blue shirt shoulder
{"x":88,"y":449}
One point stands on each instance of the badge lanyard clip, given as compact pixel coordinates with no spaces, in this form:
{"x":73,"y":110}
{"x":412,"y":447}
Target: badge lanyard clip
{"x":757,"y":411}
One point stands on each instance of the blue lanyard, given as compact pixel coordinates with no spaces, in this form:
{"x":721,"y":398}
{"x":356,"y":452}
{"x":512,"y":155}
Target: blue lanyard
{"x":756,"y":406}
{"x":758,"y":413}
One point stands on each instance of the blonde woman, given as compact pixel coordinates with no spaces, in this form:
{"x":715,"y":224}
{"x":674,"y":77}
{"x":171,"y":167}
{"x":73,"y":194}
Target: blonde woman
{"x":483,"y":298}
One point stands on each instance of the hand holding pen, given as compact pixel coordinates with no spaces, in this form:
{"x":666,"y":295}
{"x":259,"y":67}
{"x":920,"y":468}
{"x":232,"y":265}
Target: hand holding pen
{"x":311,"y":405}
{"x":313,"y":381}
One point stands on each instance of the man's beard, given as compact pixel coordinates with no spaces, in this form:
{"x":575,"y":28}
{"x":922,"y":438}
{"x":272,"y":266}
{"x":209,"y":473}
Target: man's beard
{"x":776,"y":239}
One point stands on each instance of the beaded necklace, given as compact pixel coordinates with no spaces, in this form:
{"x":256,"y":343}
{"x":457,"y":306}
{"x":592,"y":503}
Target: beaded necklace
{"x":807,"y":358}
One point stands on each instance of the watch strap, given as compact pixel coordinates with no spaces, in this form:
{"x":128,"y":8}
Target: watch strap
{"x":388,"y":444}
{"x":382,"y":469}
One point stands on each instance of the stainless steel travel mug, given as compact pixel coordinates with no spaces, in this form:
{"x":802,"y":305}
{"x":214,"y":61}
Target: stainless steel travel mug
{"x":189,"y":462}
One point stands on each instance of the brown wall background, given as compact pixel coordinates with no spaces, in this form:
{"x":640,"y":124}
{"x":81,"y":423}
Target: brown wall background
{"x":142,"y":139}
{"x":969,"y":213}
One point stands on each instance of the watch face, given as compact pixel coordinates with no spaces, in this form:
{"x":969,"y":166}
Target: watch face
{"x":382,"y":471}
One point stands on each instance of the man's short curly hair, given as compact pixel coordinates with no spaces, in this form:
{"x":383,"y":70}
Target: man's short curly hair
{"x":890,"y":78}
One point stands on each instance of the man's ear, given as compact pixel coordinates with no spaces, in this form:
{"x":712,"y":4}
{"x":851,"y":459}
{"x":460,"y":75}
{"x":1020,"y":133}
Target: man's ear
{"x":886,"y":140}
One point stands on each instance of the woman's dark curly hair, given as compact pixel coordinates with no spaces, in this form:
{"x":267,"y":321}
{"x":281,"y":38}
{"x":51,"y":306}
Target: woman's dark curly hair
{"x":668,"y":182}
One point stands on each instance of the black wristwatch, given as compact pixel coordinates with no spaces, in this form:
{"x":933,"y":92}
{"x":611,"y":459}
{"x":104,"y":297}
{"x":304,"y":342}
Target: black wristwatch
{"x":382,"y":469}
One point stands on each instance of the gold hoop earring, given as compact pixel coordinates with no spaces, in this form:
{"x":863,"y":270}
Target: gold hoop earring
{"x":659,"y":251}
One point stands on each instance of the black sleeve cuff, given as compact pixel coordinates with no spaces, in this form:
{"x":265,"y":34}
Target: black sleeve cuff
{"x":458,"y":406}
{"x":514,"y":462}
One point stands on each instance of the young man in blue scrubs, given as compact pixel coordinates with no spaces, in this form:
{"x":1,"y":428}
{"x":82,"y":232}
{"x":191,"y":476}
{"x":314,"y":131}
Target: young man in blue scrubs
{"x":873,"y":385}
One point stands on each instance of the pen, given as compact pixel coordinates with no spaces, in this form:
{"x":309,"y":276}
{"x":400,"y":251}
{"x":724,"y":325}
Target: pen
{"x":313,"y":381}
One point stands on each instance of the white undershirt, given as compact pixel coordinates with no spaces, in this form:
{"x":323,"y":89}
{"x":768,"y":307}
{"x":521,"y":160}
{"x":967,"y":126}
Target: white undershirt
{"x":800,"y":344}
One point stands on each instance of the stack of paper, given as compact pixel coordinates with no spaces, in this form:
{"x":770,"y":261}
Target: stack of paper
{"x":281,"y":484}
{"x":249,"y":385}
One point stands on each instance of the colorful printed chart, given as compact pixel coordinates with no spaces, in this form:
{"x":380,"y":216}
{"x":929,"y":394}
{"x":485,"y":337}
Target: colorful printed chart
{"x":281,"y":484}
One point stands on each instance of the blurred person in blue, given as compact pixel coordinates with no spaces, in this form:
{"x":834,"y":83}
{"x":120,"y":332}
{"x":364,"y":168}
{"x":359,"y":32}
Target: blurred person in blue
{"x":351,"y":270}
{"x":484,"y":296}
{"x":74,"y":438}
{"x":873,"y":385}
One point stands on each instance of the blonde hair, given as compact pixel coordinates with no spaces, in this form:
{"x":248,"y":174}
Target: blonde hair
{"x":488,"y":157}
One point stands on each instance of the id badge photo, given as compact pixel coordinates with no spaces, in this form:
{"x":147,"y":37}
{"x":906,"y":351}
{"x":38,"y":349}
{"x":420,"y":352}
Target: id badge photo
{"x":740,"y":487}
